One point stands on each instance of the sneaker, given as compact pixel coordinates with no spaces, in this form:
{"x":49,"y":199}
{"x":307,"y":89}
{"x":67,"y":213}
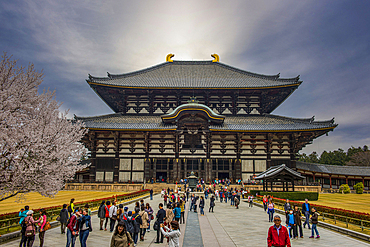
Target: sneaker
{"x":148,"y":230}
{"x":318,"y":236}
{"x":312,"y":237}
{"x":301,"y":237}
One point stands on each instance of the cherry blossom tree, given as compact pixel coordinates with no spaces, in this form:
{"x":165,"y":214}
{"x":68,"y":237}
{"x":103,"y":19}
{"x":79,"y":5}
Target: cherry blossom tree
{"x":40,"y":147}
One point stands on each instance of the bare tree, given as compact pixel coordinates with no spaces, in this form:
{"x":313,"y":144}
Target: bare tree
{"x":39,"y":147}
{"x":360,"y":159}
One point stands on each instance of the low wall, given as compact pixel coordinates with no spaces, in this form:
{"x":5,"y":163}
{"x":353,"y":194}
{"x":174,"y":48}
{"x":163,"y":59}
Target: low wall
{"x":296,"y":188}
{"x":104,"y":187}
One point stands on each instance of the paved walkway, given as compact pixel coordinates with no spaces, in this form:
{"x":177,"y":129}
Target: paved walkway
{"x":225,"y":227}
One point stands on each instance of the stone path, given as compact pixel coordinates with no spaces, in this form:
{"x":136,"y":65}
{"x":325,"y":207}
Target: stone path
{"x":225,"y":227}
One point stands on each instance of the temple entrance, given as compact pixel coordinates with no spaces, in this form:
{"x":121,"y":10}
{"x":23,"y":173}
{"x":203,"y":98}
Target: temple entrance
{"x":223,"y":175}
{"x":161,"y":177}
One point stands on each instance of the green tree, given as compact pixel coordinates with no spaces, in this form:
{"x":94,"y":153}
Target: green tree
{"x":344,"y":188}
{"x":359,"y":187}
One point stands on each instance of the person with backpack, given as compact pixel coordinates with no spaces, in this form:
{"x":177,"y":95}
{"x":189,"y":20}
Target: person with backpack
{"x":120,"y":237}
{"x":149,"y":211}
{"x":85,"y":227}
{"x":71,"y":207}
{"x":107,"y":207}
{"x":30,"y":228}
{"x":120,"y":212}
{"x":177,"y":212}
{"x":212,"y":203}
{"x":101,"y":214}
{"x":113,"y":216}
{"x":144,"y":222}
{"x":42,"y":224}
{"x":72,"y":229}
{"x":314,"y":220}
{"x":63,"y":218}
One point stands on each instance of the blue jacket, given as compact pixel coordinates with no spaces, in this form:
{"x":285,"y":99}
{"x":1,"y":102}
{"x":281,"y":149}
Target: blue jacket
{"x":291,"y":219}
{"x":22,"y":215}
{"x":177,"y":212}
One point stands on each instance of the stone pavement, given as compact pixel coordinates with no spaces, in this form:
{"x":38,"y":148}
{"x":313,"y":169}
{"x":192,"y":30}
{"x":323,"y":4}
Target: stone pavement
{"x":225,"y":227}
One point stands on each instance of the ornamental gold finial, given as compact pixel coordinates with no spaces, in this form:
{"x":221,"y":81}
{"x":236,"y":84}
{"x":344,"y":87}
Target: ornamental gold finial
{"x":216,"y":58}
{"x":169,"y":56}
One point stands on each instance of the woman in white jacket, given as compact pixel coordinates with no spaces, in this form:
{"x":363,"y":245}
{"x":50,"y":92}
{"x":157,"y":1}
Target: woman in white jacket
{"x":172,"y":234}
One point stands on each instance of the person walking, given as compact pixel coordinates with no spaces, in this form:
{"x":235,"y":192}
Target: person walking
{"x":107,"y":207}
{"x":298,"y":221}
{"x":63,"y":219}
{"x":144,"y":222}
{"x":314,"y":220}
{"x":73,"y":229}
{"x":149,"y":211}
{"x":211,"y":203}
{"x":30,"y":228}
{"x":271,"y":210}
{"x":101,"y":214}
{"x":201,"y":205}
{"x":42,"y":224}
{"x":236,"y":202}
{"x":264,"y":201}
{"x":88,"y":210}
{"x":182,"y":207}
{"x":113,"y":216}
{"x":169,"y":215}
{"x":161,"y":214}
{"x":136,"y":222}
{"x":120,"y":237}
{"x":306,"y":210}
{"x":85,"y":227}
{"x":151,"y":194}
{"x":291,"y":222}
{"x":287,"y":208}
{"x":250,"y":200}
{"x":177,"y":212}
{"x":278,"y":234}
{"x":172,"y":234}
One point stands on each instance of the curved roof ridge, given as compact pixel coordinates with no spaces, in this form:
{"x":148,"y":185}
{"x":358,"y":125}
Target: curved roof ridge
{"x":305,"y":120}
{"x":336,"y":166}
{"x":98,"y":116}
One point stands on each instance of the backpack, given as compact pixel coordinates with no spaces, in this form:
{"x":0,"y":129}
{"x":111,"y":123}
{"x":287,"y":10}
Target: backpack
{"x":69,"y":209}
{"x":130,"y":225}
{"x":139,"y":220}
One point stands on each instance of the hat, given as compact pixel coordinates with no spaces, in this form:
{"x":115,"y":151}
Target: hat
{"x":29,"y":212}
{"x":129,"y":213}
{"x":126,"y":208}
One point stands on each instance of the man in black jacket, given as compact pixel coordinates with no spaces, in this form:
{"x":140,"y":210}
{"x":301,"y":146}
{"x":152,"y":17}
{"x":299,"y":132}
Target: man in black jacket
{"x":160,"y":218}
{"x":101,"y":214}
{"x":306,"y":210}
{"x":287,"y":208}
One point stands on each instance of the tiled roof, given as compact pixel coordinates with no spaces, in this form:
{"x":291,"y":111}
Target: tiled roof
{"x":265,"y":122}
{"x":193,"y":74}
{"x":333,"y":169}
{"x":275,"y":170}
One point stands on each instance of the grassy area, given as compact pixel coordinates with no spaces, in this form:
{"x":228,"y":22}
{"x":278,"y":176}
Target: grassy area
{"x":355,"y":202}
{"x":35,"y":200}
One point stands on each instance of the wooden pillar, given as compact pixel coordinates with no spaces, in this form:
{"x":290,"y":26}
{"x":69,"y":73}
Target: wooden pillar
{"x":116,"y":161}
{"x":93,"y":148}
{"x":271,"y":186}
{"x":314,"y":178}
{"x":208,"y":165}
{"x":263,"y":182}
{"x":293,"y":185}
{"x":363,"y":181}
{"x":268,"y":150}
{"x":346,"y":179}
{"x":330,"y":181}
{"x":147,"y":171}
{"x":283,"y":186}
{"x":176,"y":165}
{"x":238,"y":166}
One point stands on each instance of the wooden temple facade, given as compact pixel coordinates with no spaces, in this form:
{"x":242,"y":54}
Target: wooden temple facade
{"x":201,"y":116}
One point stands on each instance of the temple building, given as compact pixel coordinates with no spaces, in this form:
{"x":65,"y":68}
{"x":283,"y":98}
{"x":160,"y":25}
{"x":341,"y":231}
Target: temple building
{"x":202,"y":116}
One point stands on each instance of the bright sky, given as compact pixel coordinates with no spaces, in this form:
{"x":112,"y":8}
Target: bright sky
{"x":327,"y":43}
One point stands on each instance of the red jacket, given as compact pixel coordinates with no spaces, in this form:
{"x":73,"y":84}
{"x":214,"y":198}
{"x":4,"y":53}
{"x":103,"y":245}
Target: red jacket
{"x":107,"y":207}
{"x":273,"y":239}
{"x":73,"y":224}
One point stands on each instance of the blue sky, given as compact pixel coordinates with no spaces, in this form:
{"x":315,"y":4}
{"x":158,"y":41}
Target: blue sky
{"x":327,"y":43}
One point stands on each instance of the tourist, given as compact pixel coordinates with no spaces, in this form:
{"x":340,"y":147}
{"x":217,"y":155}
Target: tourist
{"x":264,"y":201}
{"x":292,"y":225}
{"x":161,"y":214}
{"x":306,"y":209}
{"x":130,"y":225}
{"x":107,"y":207}
{"x":278,"y":234}
{"x":137,"y":207}
{"x":72,"y":229}
{"x":298,"y":221}
{"x":195,"y":203}
{"x":144,"y":222}
{"x":125,"y":212}
{"x":236,"y":202}
{"x":165,"y":198}
{"x":113,"y":216}
{"x":270,"y":209}
{"x":42,"y":224}
{"x":187,"y":194}
{"x":226,"y":194}
{"x":136,"y":223}
{"x":162,"y":193}
{"x":120,"y":237}
{"x":88,"y":209}
{"x":201,"y":205}
{"x":142,"y":203}
{"x":182,"y":206}
{"x":71,"y":207}
{"x":151,"y":194}
{"x":169,"y":215}
{"x":173,"y":234}
{"x":23,"y":214}
{"x":287,"y":208}
{"x":101,"y":214}
{"x":211,"y":203}
{"x":63,"y":218}
{"x":221,"y":195}
{"x":250,"y":200}
{"x":30,"y":228}
{"x":85,"y":227}
{"x":314,"y":220}
{"x":191,"y":202}
{"x":177,"y":212}
{"x":120,"y":212}
{"x":149,"y":211}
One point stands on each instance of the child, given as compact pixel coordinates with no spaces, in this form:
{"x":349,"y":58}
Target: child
{"x":292,"y":225}
{"x":298,"y":221}
{"x":314,"y":219}
{"x":250,"y":200}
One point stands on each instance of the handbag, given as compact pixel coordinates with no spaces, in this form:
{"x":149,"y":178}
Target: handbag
{"x":156,"y":225}
{"x":47,"y":226}
{"x":58,"y":218}
{"x":152,"y":217}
